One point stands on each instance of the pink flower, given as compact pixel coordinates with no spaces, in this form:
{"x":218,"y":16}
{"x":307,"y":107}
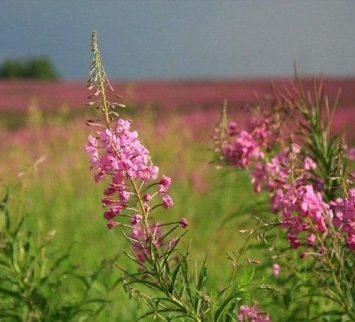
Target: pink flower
{"x":242,"y":147}
{"x":136,"y":219}
{"x":301,"y":204}
{"x":167,"y":201}
{"x":309,"y":164}
{"x":119,"y":155}
{"x":351,"y":154}
{"x":344,"y":217}
{"x":91,"y":149}
{"x":183,"y":223}
{"x":276,"y":270}
{"x":272,"y":174}
{"x":124,"y":195}
{"x":232,"y":129}
{"x":111,"y":224}
{"x":165,"y":183}
{"x":242,"y":151}
{"x":252,"y":314}
{"x":260,"y":128}
{"x":147,"y":197}
{"x":140,"y":242}
{"x":311,"y":239}
{"x":295,"y":148}
{"x":111,"y":213}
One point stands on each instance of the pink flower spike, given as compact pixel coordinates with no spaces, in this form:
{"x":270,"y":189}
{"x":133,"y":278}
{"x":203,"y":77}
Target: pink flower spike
{"x":130,"y":163}
{"x":167,"y":202}
{"x":183,"y":223}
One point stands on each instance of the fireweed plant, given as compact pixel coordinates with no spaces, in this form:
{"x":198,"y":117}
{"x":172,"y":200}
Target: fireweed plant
{"x":134,"y":192}
{"x":289,"y":152}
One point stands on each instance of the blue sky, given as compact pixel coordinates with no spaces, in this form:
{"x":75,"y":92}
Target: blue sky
{"x":184,"y":39}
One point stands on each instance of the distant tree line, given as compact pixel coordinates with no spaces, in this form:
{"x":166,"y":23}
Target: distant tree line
{"x":32,"y":68}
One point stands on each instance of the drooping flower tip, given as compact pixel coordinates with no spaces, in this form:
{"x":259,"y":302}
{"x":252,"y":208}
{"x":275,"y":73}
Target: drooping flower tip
{"x":183,"y":223}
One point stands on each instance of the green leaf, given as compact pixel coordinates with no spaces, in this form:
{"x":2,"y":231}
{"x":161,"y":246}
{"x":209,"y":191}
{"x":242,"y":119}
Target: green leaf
{"x":224,"y":306}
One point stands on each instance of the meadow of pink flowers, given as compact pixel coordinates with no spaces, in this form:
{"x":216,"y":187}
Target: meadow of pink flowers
{"x":133,"y":187}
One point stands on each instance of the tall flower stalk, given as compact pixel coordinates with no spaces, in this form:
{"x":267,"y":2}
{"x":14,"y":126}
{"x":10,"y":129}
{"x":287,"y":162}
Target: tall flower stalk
{"x":305,"y":172}
{"x":134,"y":192}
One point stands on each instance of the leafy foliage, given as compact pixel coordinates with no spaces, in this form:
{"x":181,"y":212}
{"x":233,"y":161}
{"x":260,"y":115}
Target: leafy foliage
{"x":39,"y":283}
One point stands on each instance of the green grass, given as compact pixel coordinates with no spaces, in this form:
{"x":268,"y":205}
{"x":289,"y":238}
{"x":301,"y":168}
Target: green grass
{"x":61,"y":195}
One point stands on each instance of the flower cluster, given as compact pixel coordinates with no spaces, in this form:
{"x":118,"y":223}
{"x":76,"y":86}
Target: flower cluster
{"x":271,"y":175}
{"x":295,"y":192}
{"x":303,"y":210}
{"x":263,"y":128}
{"x":344,"y":217}
{"x":252,"y":314}
{"x":243,"y":147}
{"x":240,"y":148}
{"x":242,"y":151}
{"x":119,"y":154}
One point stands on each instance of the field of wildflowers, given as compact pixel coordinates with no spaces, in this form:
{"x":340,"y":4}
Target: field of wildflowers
{"x":249,"y":217}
